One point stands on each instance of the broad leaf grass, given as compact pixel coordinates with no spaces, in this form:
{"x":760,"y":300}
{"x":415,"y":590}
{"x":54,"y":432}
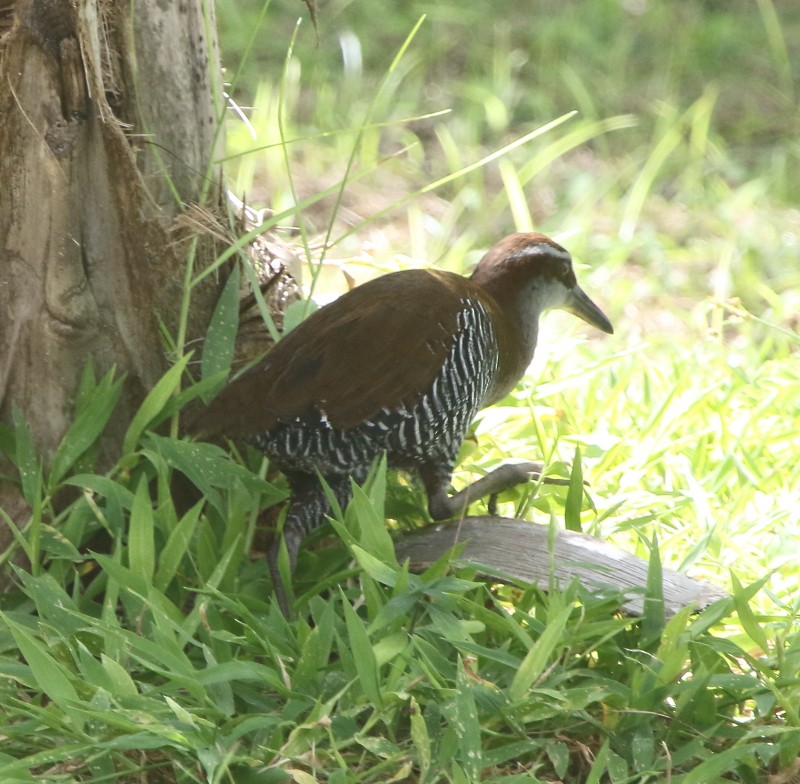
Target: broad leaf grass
{"x":144,"y":644}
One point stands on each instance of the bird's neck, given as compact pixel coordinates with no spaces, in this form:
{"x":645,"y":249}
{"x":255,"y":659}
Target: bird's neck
{"x":516,"y":327}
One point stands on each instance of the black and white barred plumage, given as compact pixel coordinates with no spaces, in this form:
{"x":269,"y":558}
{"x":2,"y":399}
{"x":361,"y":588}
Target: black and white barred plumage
{"x":430,"y":430}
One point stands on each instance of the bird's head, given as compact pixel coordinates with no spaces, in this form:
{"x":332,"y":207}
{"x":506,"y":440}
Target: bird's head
{"x":532,"y":273}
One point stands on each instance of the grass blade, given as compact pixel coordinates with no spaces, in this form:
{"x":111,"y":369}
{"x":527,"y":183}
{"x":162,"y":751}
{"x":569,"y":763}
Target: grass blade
{"x":177,"y":547}
{"x":50,"y":677}
{"x":467,"y":725}
{"x":364,"y":660}
{"x":141,"y":545}
{"x":421,"y":739}
{"x":654,"y":609}
{"x":154,"y":403}
{"x":574,"y":501}
{"x":221,"y":334}
{"x":93,"y":412}
{"x":30,"y":470}
{"x":535,"y":661}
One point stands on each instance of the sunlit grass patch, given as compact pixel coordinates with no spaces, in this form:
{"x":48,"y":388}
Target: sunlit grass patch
{"x":144,"y":644}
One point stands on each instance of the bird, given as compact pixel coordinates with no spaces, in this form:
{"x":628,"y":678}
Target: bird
{"x":398,"y":365}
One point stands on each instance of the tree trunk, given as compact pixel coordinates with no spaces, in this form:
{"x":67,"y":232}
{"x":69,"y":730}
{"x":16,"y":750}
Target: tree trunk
{"x":109,"y":127}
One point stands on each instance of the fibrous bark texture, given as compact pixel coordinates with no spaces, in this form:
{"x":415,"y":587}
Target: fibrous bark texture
{"x":109,"y":126}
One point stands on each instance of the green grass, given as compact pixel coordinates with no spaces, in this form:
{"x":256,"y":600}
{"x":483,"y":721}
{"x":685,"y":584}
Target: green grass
{"x":144,"y":643}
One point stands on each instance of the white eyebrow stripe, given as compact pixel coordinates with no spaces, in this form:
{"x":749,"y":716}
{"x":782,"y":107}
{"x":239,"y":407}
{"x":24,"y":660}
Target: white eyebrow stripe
{"x":544,"y":249}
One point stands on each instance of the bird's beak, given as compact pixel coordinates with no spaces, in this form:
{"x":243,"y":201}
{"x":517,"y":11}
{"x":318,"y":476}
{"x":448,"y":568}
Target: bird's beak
{"x":581,"y":306}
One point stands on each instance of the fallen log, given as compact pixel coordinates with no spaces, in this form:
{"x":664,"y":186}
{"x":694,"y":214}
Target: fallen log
{"x":519,"y":549}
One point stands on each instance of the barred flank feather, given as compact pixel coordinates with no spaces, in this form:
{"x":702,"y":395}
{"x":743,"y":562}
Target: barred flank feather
{"x":431,"y":430}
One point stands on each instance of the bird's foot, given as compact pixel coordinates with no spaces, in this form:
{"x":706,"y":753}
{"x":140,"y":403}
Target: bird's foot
{"x":441,"y":506}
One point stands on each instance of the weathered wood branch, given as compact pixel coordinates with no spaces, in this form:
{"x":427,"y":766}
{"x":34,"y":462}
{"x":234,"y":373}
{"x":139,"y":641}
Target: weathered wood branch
{"x":520,"y":550}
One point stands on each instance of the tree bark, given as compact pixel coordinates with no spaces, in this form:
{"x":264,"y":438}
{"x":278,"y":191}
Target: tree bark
{"x":110,"y":124}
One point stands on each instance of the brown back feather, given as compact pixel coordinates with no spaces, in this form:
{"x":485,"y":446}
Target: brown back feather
{"x":380,"y":345}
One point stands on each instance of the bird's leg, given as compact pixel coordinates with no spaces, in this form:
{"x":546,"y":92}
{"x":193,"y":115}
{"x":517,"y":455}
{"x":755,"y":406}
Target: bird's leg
{"x":443,"y":506}
{"x":307,"y":510}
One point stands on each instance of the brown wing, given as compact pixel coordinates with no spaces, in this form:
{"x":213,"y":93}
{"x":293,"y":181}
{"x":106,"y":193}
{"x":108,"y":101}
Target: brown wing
{"x":380,"y":345}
